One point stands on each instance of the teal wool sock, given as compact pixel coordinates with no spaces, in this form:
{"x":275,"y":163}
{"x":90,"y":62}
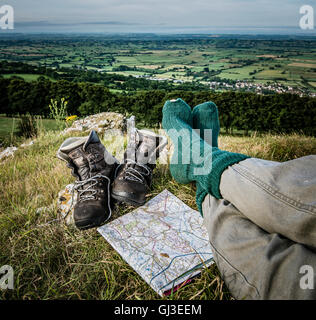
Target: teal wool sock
{"x":186,"y":165}
{"x":205,"y":117}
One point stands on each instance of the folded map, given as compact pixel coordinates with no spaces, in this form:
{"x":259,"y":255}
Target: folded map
{"x":164,"y":241}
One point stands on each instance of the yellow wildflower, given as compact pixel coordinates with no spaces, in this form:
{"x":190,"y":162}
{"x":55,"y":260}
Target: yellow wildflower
{"x":71,"y":118}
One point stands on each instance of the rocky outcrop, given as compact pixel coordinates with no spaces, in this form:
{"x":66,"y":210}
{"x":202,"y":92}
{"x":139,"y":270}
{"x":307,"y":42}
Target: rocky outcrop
{"x":111,"y":122}
{"x":100,"y":123}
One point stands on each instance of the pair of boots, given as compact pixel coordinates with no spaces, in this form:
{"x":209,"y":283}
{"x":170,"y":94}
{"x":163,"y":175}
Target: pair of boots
{"x":101,"y":179}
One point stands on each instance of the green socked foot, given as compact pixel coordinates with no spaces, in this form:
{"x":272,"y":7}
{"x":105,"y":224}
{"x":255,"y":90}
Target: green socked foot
{"x":193,"y":158}
{"x":205,"y":117}
{"x":177,"y":120}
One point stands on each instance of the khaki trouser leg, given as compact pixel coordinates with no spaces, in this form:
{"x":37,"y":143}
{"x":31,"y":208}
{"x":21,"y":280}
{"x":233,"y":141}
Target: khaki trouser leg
{"x":263,"y":232}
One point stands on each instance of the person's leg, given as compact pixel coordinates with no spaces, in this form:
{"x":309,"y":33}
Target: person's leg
{"x":253,"y":263}
{"x":278,"y":197}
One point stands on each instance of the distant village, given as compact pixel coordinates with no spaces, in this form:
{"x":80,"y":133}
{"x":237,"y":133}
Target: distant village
{"x":241,"y":85}
{"x":260,"y":88}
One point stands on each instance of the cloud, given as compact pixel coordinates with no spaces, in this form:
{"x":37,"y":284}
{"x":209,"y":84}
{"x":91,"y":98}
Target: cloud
{"x":49,"y":24}
{"x":114,"y":23}
{"x":153,"y":13}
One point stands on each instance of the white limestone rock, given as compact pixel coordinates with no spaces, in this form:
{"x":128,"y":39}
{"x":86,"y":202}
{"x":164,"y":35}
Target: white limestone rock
{"x":8,"y":152}
{"x":66,"y":201}
{"x":100,"y":122}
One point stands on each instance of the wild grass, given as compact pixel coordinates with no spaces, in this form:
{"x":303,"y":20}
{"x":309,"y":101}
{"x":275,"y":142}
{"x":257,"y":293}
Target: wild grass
{"x":9,"y":128}
{"x":55,"y":261}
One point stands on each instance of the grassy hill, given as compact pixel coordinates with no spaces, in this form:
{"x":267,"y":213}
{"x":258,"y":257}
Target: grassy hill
{"x":53,"y":261}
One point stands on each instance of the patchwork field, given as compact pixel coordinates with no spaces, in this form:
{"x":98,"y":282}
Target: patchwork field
{"x":292,"y":62}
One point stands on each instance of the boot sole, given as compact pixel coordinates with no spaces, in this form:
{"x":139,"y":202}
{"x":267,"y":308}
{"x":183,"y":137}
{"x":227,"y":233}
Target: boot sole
{"x":127,"y":200}
{"x":82,"y":226}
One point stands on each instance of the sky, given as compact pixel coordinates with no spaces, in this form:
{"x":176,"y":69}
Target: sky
{"x":158,"y":16}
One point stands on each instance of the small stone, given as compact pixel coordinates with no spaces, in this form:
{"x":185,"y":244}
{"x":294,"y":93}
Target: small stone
{"x":23,"y":145}
{"x":66,"y":201}
{"x":8,"y":152}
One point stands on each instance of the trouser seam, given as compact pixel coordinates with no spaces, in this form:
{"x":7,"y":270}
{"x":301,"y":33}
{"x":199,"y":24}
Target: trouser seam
{"x":273,"y":192}
{"x":238,"y":271}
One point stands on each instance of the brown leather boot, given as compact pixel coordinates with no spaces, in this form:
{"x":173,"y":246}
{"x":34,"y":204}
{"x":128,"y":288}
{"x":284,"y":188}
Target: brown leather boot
{"x":134,"y":176}
{"x":94,"y":168}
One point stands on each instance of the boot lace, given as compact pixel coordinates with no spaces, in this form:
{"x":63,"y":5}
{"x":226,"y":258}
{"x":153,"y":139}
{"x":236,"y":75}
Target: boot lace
{"x":86,"y":188}
{"x":133,"y":174}
{"x":81,"y":188}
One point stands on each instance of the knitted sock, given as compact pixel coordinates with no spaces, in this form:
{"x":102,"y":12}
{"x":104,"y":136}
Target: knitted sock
{"x":190,"y":148}
{"x":205,"y":117}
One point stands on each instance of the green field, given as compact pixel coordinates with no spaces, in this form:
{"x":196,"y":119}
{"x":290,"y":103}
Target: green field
{"x":292,"y":63}
{"x":26,"y":77}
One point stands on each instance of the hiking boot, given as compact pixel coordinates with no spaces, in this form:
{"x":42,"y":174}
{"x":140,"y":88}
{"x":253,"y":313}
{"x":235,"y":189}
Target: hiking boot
{"x":94,"y":169}
{"x":134,"y":176}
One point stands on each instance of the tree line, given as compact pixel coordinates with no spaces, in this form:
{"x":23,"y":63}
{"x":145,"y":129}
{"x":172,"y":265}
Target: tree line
{"x":238,"y":110}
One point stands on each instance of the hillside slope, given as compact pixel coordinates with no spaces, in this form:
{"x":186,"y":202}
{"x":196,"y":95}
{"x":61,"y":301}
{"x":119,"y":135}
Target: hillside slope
{"x":53,"y":261}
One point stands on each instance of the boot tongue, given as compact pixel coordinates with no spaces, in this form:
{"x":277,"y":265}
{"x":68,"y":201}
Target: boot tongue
{"x":81,"y":163}
{"x":93,"y":138}
{"x":87,"y":159}
{"x":141,"y":147}
{"x":145,"y":150}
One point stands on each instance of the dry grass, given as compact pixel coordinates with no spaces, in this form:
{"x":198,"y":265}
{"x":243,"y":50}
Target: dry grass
{"x":303,"y":65}
{"x":59,"y":262}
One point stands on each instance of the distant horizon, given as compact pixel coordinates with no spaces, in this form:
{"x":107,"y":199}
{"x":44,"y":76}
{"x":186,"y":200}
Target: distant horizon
{"x":50,"y":28}
{"x":214,"y":34}
{"x":163,"y":16}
